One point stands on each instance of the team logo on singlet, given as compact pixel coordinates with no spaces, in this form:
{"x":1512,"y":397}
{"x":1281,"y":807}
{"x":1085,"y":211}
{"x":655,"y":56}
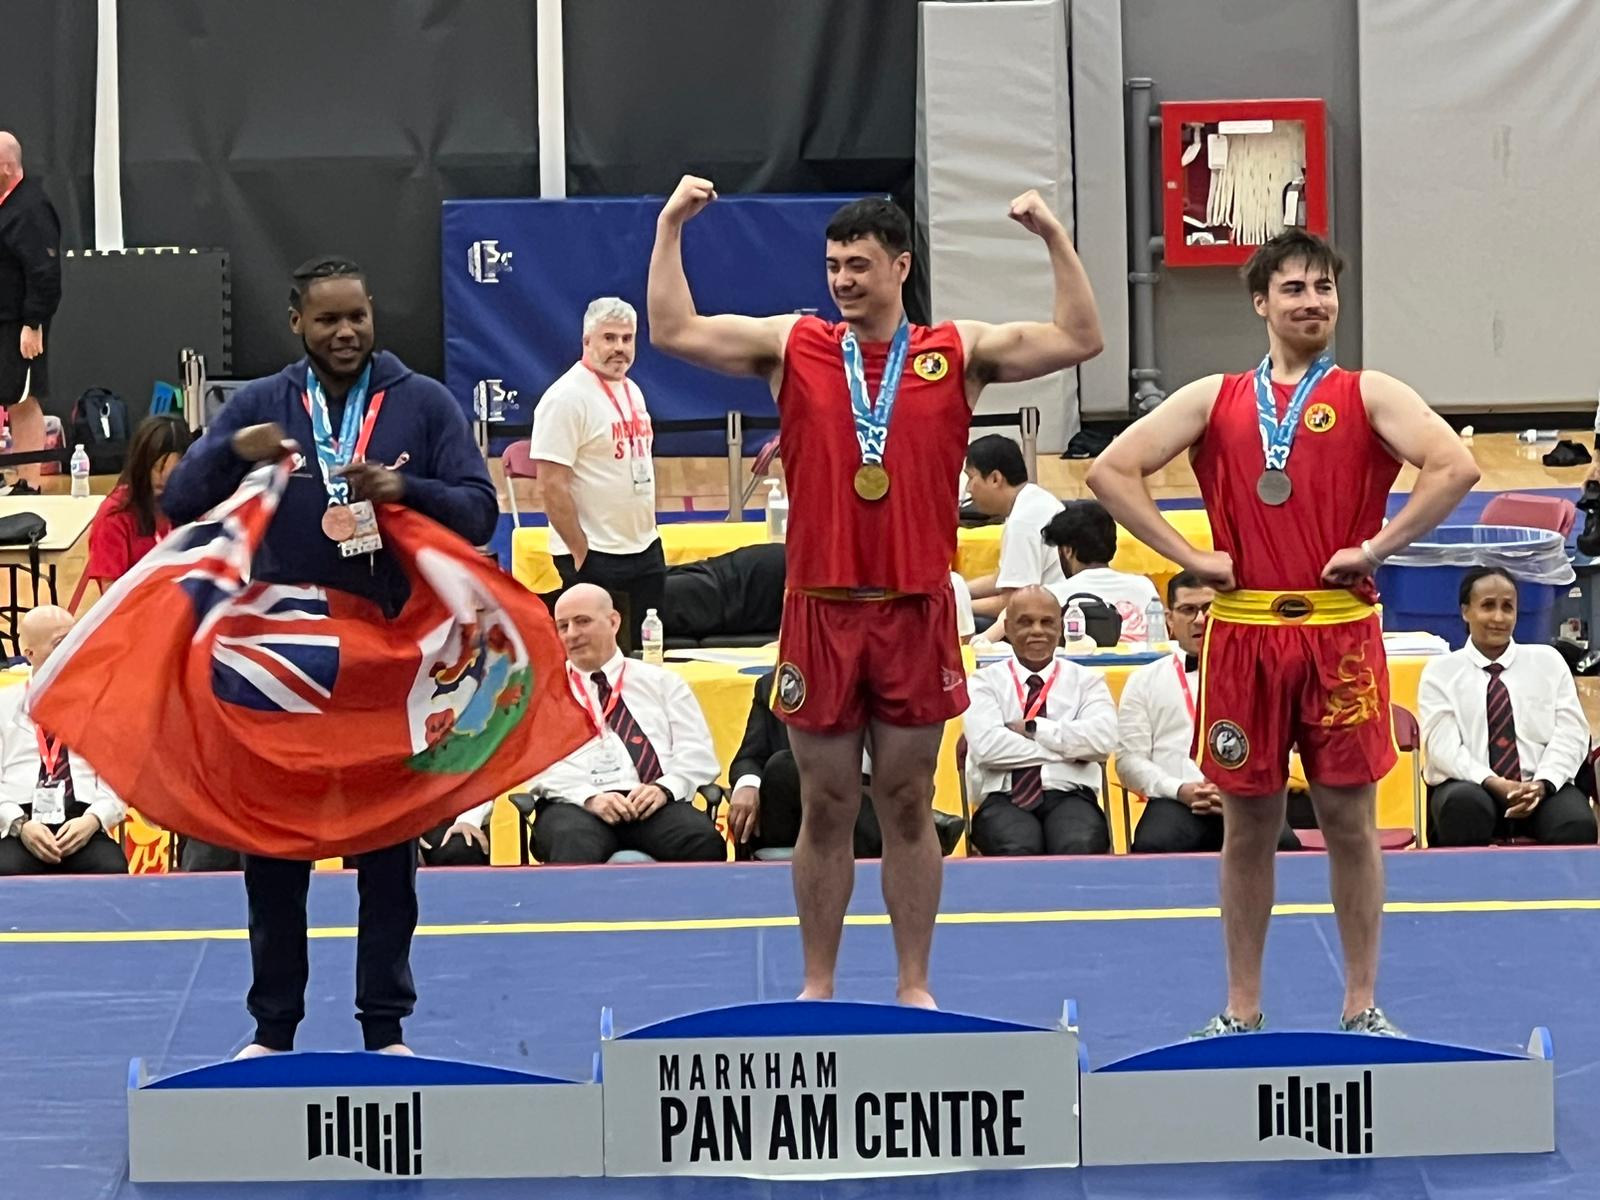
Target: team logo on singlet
{"x":1319,"y":418}
{"x":790,"y":691}
{"x":1228,"y":744}
{"x":930,"y":366}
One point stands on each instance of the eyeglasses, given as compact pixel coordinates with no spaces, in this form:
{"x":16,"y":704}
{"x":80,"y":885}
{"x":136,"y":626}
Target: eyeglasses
{"x":1190,"y":611}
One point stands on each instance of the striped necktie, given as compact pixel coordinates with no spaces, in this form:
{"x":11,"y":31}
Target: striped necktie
{"x":645,"y":762}
{"x":1503,"y":759}
{"x":1027,"y":783}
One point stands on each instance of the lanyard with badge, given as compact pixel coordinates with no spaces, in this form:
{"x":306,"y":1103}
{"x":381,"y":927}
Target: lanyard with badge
{"x":1029,"y":712}
{"x":352,"y":524}
{"x":50,"y":797}
{"x":632,"y":425}
{"x":872,"y":419}
{"x":604,"y":762}
{"x":1183,"y":682}
{"x":1277,"y":437}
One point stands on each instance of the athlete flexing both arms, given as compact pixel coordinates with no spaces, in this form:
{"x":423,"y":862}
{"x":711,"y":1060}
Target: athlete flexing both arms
{"x":874,"y":417}
{"x":1295,"y":460}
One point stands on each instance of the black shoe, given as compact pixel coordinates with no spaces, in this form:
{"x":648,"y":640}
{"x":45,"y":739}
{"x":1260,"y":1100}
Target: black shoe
{"x":1589,"y":506}
{"x":949,"y":827}
{"x":1567,"y":454}
{"x":22,"y":488}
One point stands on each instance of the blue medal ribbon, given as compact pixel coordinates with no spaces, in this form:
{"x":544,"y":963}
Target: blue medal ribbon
{"x":872,"y":420}
{"x":1277,"y":437}
{"x":331,"y":454}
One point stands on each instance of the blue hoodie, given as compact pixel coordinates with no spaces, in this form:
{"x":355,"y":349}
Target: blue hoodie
{"x":445,"y":477}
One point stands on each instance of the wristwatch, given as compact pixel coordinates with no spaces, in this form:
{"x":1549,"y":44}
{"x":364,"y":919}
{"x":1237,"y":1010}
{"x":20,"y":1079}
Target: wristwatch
{"x":1030,"y":727}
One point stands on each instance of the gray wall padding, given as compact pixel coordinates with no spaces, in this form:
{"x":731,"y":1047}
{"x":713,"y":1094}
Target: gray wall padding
{"x":1481,"y":164}
{"x":993,"y":120}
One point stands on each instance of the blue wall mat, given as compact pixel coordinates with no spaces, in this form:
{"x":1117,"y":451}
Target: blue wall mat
{"x":519,"y":273}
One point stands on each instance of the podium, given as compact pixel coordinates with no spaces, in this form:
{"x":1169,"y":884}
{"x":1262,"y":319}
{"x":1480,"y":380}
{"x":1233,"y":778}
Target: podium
{"x":809,"y":1090}
{"x":362,"y":1116}
{"x":1264,"y":1097}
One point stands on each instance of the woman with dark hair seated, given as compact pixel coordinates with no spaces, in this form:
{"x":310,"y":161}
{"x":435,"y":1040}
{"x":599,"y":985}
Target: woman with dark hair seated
{"x":130,"y":522}
{"x":1503,"y":734}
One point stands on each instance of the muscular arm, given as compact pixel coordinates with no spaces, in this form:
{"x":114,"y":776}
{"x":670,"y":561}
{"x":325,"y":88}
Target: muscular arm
{"x":1417,"y":435}
{"x":562,"y":510}
{"x":1150,"y":443}
{"x":732,"y":344}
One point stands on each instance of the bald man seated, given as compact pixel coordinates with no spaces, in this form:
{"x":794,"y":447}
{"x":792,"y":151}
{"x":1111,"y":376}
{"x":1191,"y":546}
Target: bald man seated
{"x":55,"y":813}
{"x":632,"y":786}
{"x":1038,"y":728}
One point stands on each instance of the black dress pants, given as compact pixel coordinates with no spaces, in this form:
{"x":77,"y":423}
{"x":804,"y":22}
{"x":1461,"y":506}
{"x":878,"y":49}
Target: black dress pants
{"x":1464,"y":814}
{"x":636,"y":582}
{"x":386,"y":881}
{"x":780,"y":812}
{"x":100,"y":855}
{"x":457,"y":852}
{"x":675,"y":832}
{"x":1170,"y":826}
{"x":1064,"y":822}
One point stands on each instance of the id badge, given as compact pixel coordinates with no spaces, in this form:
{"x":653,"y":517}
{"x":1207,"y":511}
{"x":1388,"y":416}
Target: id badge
{"x":50,"y":804}
{"x":642,"y":478}
{"x":366,"y":539}
{"x":603,"y":766}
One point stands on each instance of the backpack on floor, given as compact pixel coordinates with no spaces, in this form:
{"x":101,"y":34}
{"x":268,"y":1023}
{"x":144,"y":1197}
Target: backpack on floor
{"x":100,"y":426}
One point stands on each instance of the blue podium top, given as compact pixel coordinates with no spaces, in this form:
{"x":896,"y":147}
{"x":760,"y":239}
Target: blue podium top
{"x":1300,"y":1049}
{"x":821,"y":1018}
{"x":329,"y":1069}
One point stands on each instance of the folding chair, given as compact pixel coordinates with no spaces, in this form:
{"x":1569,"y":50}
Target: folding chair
{"x":517,"y":462}
{"x":758,"y":471}
{"x":1407,"y":739}
{"x":1531,"y":512}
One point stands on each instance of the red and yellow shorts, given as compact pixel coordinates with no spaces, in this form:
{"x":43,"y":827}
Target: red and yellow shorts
{"x":1280,"y":670}
{"x":845,"y":658}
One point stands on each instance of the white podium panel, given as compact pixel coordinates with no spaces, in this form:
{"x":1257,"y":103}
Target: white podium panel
{"x":294,"y":1117}
{"x":1263,"y":1097}
{"x":836,"y":1090}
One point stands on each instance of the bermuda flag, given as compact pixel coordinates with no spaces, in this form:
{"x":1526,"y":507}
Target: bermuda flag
{"x":298,"y":721}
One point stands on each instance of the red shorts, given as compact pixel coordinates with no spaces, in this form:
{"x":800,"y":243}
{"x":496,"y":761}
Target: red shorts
{"x":1265,"y":689}
{"x":844,"y":662}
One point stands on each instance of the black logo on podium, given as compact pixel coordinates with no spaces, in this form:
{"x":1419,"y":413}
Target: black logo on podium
{"x":1337,"y":1117}
{"x":385,"y":1137}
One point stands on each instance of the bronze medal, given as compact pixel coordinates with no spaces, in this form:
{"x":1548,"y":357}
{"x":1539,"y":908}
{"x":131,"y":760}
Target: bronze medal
{"x":872,"y":481}
{"x":339,"y":523}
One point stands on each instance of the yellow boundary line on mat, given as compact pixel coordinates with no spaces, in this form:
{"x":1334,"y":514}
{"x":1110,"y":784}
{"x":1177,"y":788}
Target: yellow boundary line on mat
{"x":1061,"y":916}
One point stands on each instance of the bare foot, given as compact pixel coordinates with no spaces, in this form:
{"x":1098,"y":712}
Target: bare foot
{"x":255,"y":1050}
{"x":916,"y":998}
{"x":396,"y":1048}
{"x":815,"y":992}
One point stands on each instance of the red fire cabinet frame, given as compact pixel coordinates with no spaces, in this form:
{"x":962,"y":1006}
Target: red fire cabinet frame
{"x":1175,"y":114}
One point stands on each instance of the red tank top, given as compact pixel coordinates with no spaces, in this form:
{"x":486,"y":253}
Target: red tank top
{"x":907,"y":540}
{"x":1340,"y":470}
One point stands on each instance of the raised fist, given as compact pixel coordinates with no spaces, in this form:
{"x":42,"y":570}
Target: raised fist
{"x":1031,"y":212}
{"x":688,"y":198}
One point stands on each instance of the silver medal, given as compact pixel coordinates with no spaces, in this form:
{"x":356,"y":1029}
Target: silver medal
{"x":1274,"y":487}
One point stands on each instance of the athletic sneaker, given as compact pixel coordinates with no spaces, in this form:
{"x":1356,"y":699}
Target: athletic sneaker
{"x":1225,"y":1023}
{"x":1370,"y":1020}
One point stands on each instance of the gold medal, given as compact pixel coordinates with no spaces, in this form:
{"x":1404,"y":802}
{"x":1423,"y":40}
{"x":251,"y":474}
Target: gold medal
{"x":872,"y":481}
{"x":339,"y":523}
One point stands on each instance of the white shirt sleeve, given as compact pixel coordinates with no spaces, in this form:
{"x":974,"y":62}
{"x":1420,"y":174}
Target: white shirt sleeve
{"x":991,"y":746}
{"x":966,"y":625}
{"x":1089,"y":733}
{"x":1136,"y":764}
{"x":1444,"y":749}
{"x":558,"y":427}
{"x":690,"y":759}
{"x":477,"y":816}
{"x":1568,"y":746}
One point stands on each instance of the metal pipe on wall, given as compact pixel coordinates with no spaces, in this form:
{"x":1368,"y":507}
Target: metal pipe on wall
{"x":107,"y":133}
{"x":1141,"y":120}
{"x":549,"y":57}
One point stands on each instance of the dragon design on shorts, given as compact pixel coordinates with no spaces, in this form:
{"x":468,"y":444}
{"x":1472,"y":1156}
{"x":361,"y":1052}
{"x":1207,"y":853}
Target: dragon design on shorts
{"x":1353,"y":700}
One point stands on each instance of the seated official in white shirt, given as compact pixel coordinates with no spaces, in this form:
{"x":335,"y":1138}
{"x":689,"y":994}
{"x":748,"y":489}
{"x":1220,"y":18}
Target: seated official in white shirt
{"x":997,"y":480}
{"x":1503,"y":733}
{"x":55,"y":813}
{"x":1085,"y":536}
{"x":594,"y":445}
{"x":1038,"y":727}
{"x":1155,"y":738}
{"x":463,"y":842}
{"x":632,"y":786}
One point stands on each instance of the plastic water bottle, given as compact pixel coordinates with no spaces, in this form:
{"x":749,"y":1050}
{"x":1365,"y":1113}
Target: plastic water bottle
{"x":652,"y":637}
{"x":1074,"y":626}
{"x":80,"y":472}
{"x":777,"y":512}
{"x":1538,"y":435}
{"x":1155,"y":623}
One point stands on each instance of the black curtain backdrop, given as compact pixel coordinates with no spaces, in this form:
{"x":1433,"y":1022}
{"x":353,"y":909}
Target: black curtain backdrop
{"x":47,"y":57}
{"x":282,"y":130}
{"x":755,"y":95}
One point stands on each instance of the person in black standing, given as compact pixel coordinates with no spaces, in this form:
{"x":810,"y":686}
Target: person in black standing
{"x":30,"y":292}
{"x":373,"y":431}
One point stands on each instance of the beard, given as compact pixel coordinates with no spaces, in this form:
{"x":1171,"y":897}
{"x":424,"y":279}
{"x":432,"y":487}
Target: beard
{"x":327,"y":368}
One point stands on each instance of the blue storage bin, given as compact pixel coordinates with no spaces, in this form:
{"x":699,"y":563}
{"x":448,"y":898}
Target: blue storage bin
{"x":1419,"y":587}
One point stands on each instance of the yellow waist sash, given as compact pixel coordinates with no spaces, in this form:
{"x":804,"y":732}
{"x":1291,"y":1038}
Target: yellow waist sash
{"x":1332,"y":606}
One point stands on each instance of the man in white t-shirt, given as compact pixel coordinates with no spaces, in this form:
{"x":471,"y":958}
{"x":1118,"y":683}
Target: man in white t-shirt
{"x":997,"y":481}
{"x":1085,"y":536}
{"x":592,"y":441}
